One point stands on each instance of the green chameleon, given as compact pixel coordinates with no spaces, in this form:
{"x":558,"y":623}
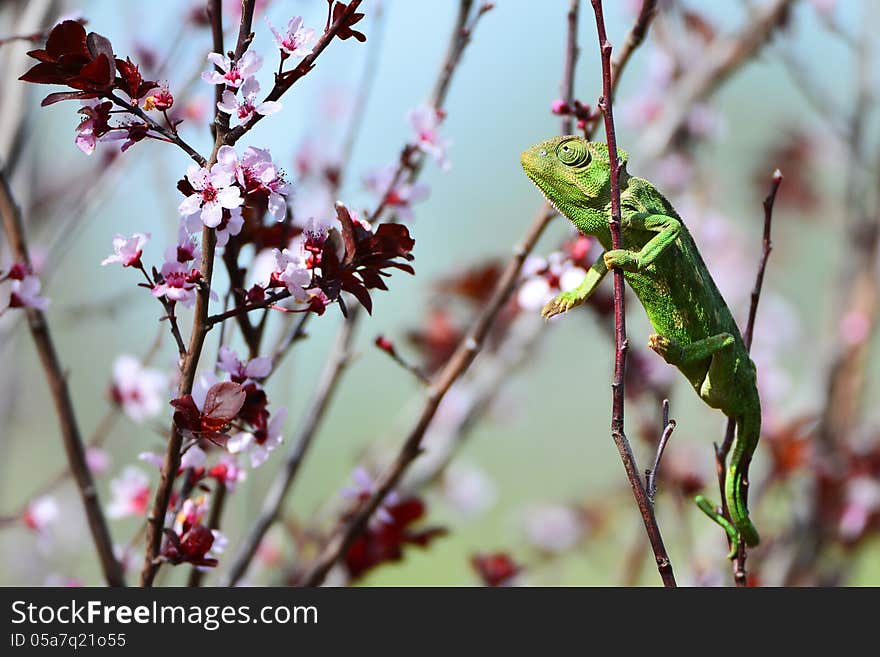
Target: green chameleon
{"x":695,"y":329}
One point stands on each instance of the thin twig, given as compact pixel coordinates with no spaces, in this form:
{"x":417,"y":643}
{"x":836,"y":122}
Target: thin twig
{"x":740,"y":576}
{"x":664,"y":565}
{"x":284,"y":82}
{"x":73,"y":444}
{"x":651,"y":475}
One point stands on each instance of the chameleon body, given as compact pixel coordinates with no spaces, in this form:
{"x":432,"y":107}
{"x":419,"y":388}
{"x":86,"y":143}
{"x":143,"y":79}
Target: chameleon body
{"x":695,"y":330}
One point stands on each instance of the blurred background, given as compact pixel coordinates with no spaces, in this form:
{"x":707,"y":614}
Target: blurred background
{"x":534,"y":477}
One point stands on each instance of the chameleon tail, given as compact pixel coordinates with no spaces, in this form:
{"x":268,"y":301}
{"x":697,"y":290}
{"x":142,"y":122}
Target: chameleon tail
{"x":748,"y":430}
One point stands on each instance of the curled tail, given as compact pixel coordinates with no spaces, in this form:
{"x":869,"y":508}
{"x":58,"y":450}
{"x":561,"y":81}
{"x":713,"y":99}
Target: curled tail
{"x":748,"y":430}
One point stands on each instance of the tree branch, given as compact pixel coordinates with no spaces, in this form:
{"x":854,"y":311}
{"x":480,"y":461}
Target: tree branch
{"x":57,"y":379}
{"x":646,"y":508}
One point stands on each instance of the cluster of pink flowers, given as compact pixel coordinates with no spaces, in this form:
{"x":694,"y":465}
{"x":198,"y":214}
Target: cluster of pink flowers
{"x":20,"y":288}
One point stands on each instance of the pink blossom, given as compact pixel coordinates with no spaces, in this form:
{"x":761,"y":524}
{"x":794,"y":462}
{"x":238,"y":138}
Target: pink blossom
{"x":178,"y":284}
{"x":213,"y":192}
{"x":553,"y":528}
{"x":826,"y":7}
{"x":256,"y":368}
{"x":291,"y":270}
{"x":468,"y":489}
{"x":229,"y":226}
{"x":186,"y":250}
{"x":41,"y":513}
{"x":229,"y":472}
{"x":257,"y":173}
{"x":233,"y":75}
{"x":245,"y":108}
{"x":95,"y":124}
{"x":558,"y":106}
{"x":399,"y":197}
{"x":129,"y":494}
{"x":862,"y":501}
{"x":854,"y":328}
{"x":127,"y":250}
{"x":137,"y":389}
{"x":544,"y":278}
{"x":98,"y":460}
{"x":192,"y":512}
{"x":295,"y":39}
{"x":194,"y":457}
{"x":425,"y":122}
{"x":364,"y":487}
{"x":25,"y":293}
{"x":259,"y":445}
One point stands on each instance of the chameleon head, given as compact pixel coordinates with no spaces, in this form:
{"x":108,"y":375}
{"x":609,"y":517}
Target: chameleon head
{"x":571,"y":171}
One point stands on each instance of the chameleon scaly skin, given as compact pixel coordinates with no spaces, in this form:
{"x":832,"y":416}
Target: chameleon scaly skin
{"x":695,"y":330}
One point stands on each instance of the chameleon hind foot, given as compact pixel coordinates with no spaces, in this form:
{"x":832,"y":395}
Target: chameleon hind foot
{"x":712,"y":512}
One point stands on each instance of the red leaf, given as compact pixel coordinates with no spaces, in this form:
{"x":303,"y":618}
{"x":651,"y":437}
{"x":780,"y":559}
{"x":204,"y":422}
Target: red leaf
{"x":223,"y":401}
{"x":97,"y":75}
{"x":348,"y":237}
{"x":345,"y":32}
{"x":67,"y":95}
{"x":67,"y":39}
{"x":187,"y":416}
{"x":99,"y":45}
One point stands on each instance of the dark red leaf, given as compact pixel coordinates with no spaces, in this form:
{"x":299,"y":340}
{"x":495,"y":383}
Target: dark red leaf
{"x":67,"y":39}
{"x":223,"y":401}
{"x":67,"y":95}
{"x":348,"y":238}
{"x":345,"y":32}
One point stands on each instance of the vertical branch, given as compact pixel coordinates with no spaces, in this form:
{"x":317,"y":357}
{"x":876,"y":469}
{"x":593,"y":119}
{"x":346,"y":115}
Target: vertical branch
{"x":740,"y":575}
{"x":566,"y":86}
{"x":57,"y":378}
{"x":664,"y":566}
{"x":200,"y":327}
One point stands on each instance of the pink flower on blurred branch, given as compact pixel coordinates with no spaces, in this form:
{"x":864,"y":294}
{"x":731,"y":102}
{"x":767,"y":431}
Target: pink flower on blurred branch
{"x":425,"y":122}
{"x":291,"y":271}
{"x":41,"y":513}
{"x":245,"y":108}
{"x":256,"y":368}
{"x":95,"y":124}
{"x":137,"y":389}
{"x":178,"y":284}
{"x":295,"y":39}
{"x":129,"y":494}
{"x":257,"y":174}
{"x":261,"y":442}
{"x":127,"y":251}
{"x":398,"y":197}
{"x":212,"y":192}
{"x":24,"y":292}
{"x":232,"y":75}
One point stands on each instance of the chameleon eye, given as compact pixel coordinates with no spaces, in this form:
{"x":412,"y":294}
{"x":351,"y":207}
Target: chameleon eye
{"x":573,"y":153}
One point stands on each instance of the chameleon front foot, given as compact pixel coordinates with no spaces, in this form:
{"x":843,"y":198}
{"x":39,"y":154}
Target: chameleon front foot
{"x":667,"y":348}
{"x":622,"y":259}
{"x":563,"y":302}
